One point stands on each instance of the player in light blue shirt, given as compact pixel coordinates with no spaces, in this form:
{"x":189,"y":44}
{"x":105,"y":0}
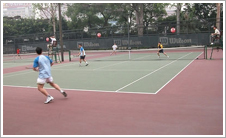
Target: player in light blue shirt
{"x":82,"y":55}
{"x":43,"y":64}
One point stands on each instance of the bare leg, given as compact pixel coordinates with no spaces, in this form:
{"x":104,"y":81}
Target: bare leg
{"x":165,"y":54}
{"x":85,"y":62}
{"x":42,"y":90}
{"x":54,"y":85}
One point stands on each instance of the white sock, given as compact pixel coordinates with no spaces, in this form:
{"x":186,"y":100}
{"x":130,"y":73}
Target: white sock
{"x":61,"y":91}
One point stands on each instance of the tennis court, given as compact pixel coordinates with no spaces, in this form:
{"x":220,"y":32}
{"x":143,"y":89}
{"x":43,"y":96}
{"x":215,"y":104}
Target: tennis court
{"x":139,"y":73}
{"x":123,"y":94}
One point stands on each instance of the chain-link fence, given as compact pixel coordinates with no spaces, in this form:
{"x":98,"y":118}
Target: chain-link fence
{"x":157,"y":30}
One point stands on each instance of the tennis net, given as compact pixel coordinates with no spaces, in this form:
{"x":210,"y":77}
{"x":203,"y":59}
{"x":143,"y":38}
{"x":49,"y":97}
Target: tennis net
{"x":21,"y":58}
{"x":180,"y":53}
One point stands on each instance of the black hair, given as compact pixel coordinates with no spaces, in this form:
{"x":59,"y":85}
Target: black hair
{"x":38,"y":50}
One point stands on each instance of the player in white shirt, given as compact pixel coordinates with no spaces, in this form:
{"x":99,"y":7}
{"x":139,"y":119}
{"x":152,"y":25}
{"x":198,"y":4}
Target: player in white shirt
{"x":215,"y":35}
{"x":114,"y":47}
{"x":53,"y":39}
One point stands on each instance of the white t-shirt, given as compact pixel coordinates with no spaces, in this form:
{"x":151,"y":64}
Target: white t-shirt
{"x":217,"y":31}
{"x":53,"y":39}
{"x":114,"y":47}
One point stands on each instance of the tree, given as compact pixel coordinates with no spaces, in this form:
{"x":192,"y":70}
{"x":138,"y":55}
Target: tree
{"x":204,"y":13}
{"x":139,"y":11}
{"x":48,"y":11}
{"x":83,"y":15}
{"x":179,"y":5}
{"x":218,"y":15}
{"x":153,"y":11}
{"x":23,"y":26}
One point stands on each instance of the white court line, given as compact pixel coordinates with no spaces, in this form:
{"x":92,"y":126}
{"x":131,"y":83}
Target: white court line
{"x":110,"y":65}
{"x":11,"y":75}
{"x":119,"y":91}
{"x":119,"y":63}
{"x":105,"y":70}
{"x":152,"y":72}
{"x":79,"y":90}
{"x":126,"y":92}
{"x":26,"y":72}
{"x":176,"y":75}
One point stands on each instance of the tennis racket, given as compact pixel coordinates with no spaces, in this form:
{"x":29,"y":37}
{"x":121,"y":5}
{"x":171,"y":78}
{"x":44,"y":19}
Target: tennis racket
{"x":73,"y":56}
{"x":28,"y":67}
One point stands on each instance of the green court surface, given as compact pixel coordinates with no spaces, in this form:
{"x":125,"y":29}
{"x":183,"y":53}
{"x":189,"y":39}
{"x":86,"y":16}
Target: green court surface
{"x":142,"y":73}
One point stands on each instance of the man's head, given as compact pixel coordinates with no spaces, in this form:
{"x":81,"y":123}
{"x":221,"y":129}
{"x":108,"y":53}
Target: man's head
{"x":214,"y":27}
{"x":80,"y":45}
{"x":39,"y":50}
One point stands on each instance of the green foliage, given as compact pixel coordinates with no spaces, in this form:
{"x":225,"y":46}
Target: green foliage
{"x":194,"y":17}
{"x":198,"y":16}
{"x":12,"y":27}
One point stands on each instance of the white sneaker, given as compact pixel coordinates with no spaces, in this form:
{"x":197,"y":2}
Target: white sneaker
{"x":49,"y":98}
{"x":168,"y":56}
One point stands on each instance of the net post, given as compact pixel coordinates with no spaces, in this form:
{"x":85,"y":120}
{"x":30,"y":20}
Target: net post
{"x":205,"y":52}
{"x":211,"y":53}
{"x":129,"y":48}
{"x":129,"y":54}
{"x":55,"y":56}
{"x":69,"y":53}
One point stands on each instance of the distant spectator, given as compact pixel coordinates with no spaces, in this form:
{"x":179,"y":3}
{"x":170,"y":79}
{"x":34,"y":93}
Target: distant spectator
{"x":114,"y":47}
{"x":215,"y":35}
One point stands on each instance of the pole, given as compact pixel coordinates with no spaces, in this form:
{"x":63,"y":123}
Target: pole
{"x":60,"y":27}
{"x":128,"y":30}
{"x":218,"y":16}
{"x":178,"y":18}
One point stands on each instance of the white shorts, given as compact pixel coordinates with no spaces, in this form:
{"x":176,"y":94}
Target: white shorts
{"x":43,"y":81}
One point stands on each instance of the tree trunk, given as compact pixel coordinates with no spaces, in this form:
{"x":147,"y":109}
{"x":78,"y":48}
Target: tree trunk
{"x":60,"y":28}
{"x":53,"y":19}
{"x":218,"y":16}
{"x":139,"y":19}
{"x":178,"y":17}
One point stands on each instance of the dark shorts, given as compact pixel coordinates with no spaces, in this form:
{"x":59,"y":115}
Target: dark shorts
{"x":161,"y":51}
{"x":83,"y":57}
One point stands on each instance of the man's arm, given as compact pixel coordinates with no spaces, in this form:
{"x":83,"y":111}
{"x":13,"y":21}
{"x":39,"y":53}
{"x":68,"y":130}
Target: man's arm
{"x":79,"y":53}
{"x":35,"y":64}
{"x":35,"y":69}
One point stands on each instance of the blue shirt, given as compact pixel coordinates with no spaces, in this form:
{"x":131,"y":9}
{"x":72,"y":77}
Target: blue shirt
{"x":44,"y":64}
{"x":81,"y":51}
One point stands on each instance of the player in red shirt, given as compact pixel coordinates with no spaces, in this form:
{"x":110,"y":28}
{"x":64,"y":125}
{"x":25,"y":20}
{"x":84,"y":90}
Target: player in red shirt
{"x":18,"y":53}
